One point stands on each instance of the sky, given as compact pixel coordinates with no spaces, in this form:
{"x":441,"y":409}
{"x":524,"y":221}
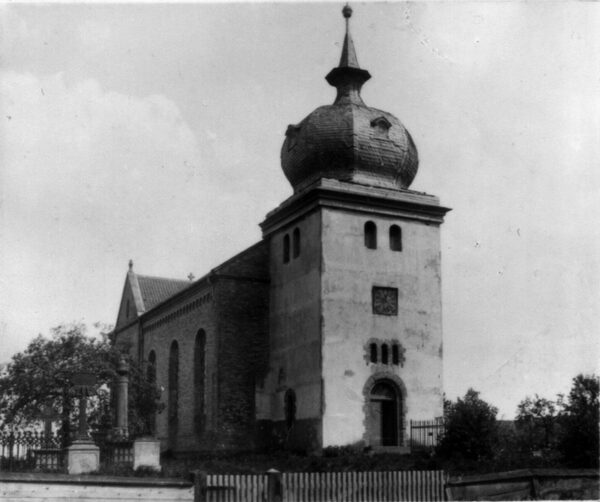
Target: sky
{"x":152,"y":132}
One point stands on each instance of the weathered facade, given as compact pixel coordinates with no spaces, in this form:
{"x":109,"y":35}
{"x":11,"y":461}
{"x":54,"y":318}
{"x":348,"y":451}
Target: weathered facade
{"x":329,"y":330}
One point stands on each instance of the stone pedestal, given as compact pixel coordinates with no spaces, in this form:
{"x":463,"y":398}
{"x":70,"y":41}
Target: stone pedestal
{"x":82,"y":457}
{"x":146,"y":453}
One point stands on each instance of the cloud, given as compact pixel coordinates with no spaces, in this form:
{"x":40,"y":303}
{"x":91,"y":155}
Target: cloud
{"x":94,"y":34}
{"x":88,"y":176}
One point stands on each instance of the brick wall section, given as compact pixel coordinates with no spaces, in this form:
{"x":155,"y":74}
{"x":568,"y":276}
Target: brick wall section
{"x":231,"y":305}
{"x":183,"y":329}
{"x":126,"y":339}
{"x":242,"y":307}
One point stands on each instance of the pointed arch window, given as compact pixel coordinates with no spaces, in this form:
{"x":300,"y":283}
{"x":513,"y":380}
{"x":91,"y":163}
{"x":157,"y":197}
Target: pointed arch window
{"x":296,"y":243}
{"x":395,"y":238}
{"x":370,"y":235}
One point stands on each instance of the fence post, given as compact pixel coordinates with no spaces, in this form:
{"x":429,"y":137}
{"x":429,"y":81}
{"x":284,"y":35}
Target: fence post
{"x":274,"y":486}
{"x":200,"y":486}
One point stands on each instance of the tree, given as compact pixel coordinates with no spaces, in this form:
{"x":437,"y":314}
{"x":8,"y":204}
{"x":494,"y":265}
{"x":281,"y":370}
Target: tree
{"x":536,"y":420}
{"x":470,"y":429}
{"x":42,"y":375}
{"x":579,"y":422}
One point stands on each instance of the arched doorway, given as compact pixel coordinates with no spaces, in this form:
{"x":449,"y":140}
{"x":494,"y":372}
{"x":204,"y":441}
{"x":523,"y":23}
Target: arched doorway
{"x":173,"y":404}
{"x":384,"y":408}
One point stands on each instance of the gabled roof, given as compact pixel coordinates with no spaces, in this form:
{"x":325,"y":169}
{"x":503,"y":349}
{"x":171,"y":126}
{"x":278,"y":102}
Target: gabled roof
{"x":143,"y":293}
{"x":154,"y":290}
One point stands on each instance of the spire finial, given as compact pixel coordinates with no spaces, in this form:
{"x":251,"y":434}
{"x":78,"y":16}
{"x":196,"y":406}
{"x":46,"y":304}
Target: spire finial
{"x":191,"y":277}
{"x":348,"y":77}
{"x":347,"y":11}
{"x":131,"y":265}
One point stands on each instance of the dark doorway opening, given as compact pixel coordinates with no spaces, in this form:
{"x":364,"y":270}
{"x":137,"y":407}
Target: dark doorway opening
{"x":384,"y":404}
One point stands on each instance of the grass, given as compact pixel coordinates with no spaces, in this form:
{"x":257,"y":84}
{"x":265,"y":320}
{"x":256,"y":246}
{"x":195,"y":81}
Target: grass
{"x":255,"y":463}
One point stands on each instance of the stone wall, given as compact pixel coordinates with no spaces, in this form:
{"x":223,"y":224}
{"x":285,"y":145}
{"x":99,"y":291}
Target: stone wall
{"x":350,"y":271}
{"x":39,"y":487}
{"x":295,"y":357}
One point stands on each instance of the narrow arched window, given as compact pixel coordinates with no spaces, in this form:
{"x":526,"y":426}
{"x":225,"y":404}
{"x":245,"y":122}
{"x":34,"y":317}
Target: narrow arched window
{"x":151,"y":368}
{"x":173,"y":404}
{"x":373,"y":352}
{"x":296,"y":243}
{"x":395,"y":238}
{"x":384,"y":353}
{"x":395,"y":354}
{"x":286,"y":248}
{"x":150,"y":421}
{"x":290,"y":408}
{"x":370,"y":235}
{"x":199,"y":379}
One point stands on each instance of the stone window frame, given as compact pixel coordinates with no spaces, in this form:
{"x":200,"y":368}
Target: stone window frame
{"x":380,"y":290}
{"x":395,"y":353}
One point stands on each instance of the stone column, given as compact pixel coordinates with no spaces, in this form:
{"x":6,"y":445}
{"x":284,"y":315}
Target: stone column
{"x":83,"y":455}
{"x":121,"y":426}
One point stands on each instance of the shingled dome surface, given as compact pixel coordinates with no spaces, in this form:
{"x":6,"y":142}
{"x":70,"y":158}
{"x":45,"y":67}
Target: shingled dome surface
{"x":348,"y":140}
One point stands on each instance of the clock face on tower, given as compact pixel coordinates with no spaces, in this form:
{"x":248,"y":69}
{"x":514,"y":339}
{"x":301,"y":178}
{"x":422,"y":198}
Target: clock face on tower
{"x":385,"y":301}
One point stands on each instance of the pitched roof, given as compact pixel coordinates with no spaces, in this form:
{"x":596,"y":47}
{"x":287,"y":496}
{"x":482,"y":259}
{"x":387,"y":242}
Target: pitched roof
{"x":155,"y":290}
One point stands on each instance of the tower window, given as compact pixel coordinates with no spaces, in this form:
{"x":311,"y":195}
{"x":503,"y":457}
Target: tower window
{"x":373,"y":350}
{"x":290,"y":408}
{"x":384,"y":353}
{"x":395,"y":238}
{"x":370,"y":235}
{"x":395,"y":354}
{"x":286,"y":248}
{"x":296,"y":243}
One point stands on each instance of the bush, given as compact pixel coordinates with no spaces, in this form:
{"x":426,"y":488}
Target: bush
{"x":470,"y":430}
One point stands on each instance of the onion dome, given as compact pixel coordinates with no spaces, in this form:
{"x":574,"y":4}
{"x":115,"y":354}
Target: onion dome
{"x":349,"y":141}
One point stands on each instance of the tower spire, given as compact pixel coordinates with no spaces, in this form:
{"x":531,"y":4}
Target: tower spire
{"x":348,"y":77}
{"x":348,"y":58}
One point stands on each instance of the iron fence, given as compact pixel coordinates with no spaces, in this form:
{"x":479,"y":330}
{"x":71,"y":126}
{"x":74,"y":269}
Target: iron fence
{"x":26,"y":449}
{"x":31,"y":450}
{"x":425,"y":434}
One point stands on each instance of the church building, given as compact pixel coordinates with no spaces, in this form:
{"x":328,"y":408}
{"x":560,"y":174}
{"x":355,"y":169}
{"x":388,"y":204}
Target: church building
{"x":328,"y":331}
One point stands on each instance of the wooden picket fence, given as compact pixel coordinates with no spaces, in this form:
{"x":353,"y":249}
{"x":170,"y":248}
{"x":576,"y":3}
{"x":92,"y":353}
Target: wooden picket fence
{"x":328,"y":486}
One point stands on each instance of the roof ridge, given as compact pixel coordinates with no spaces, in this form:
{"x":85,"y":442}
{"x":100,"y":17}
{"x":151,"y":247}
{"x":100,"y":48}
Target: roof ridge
{"x":161,"y":278}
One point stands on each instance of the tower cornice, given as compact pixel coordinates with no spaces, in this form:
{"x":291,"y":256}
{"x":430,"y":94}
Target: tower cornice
{"x":344,"y":196}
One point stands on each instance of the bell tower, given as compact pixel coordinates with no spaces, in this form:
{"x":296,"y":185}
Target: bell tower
{"x":355,"y":266}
